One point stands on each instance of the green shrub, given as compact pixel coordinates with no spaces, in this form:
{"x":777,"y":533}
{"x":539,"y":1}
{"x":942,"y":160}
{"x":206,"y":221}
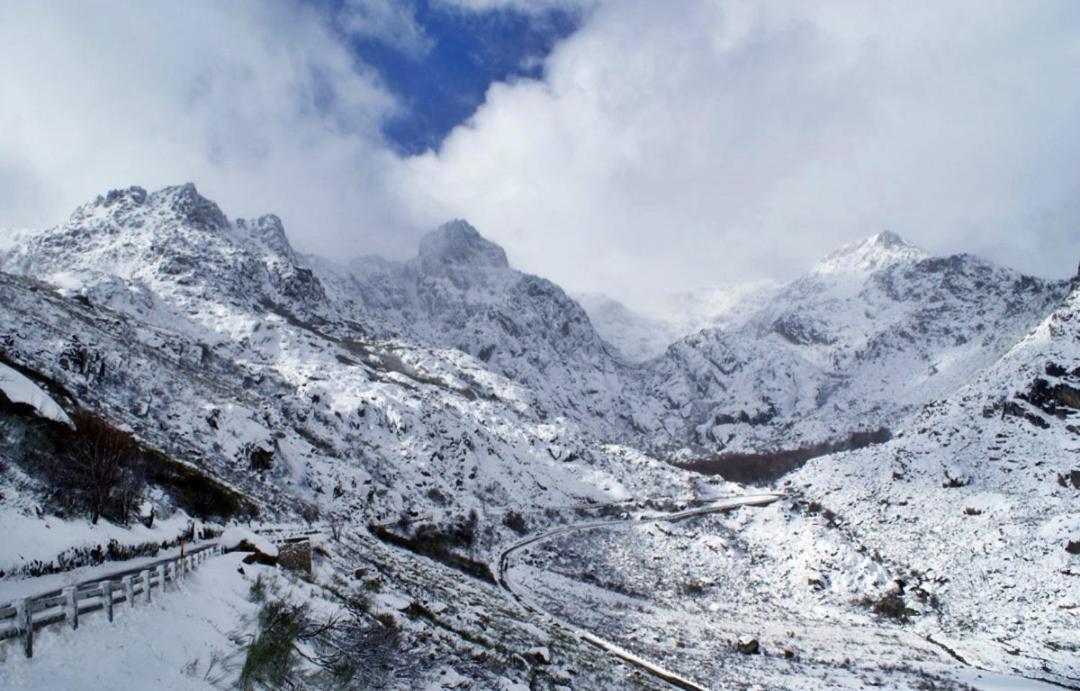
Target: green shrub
{"x":270,"y":658}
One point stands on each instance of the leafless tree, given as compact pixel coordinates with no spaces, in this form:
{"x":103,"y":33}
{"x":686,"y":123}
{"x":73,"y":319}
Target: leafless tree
{"x":102,"y":466}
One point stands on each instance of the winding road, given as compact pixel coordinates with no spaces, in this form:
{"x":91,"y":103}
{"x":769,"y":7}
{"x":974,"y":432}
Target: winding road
{"x":653,"y":670}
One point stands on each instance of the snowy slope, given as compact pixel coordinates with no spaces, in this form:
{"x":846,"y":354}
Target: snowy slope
{"x":874,"y":331}
{"x":209,"y":340}
{"x":460,"y":292}
{"x":978,"y":496}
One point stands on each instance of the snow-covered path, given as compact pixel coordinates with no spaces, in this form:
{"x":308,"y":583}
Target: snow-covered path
{"x":191,"y":639}
{"x":966,"y":672}
{"x":656,"y":671}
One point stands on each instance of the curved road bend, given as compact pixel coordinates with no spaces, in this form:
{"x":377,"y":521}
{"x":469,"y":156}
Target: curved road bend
{"x":645,"y":666}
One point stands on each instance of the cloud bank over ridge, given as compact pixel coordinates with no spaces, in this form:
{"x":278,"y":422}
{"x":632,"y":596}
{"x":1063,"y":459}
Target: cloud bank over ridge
{"x":668,"y":145}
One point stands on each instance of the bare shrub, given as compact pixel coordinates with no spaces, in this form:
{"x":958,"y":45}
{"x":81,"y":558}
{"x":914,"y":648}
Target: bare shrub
{"x":94,"y":468}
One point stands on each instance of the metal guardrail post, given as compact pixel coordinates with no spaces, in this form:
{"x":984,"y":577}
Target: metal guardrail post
{"x":71,"y":607}
{"x":129,"y":590}
{"x":161,"y":576}
{"x":106,"y":598}
{"x":25,"y":626}
{"x":145,"y":577}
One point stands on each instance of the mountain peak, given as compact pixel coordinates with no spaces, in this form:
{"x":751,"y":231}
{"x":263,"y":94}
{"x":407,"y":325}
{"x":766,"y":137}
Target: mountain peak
{"x":459,"y":244}
{"x":268,"y":231}
{"x":186,"y":202}
{"x":131,"y":206}
{"x":875,"y":252}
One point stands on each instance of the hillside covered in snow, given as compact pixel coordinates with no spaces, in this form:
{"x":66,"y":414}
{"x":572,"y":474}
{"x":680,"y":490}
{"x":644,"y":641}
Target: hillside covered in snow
{"x":917,"y":415}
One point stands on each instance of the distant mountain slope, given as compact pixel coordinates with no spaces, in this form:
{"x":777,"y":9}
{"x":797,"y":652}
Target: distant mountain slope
{"x":643,"y":335}
{"x":870,"y":334}
{"x":978,"y":495}
{"x":460,"y":292}
{"x":635,"y":336}
{"x":213,"y":341}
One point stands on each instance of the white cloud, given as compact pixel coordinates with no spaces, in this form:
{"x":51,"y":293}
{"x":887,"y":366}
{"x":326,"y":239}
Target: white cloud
{"x":257,"y":102}
{"x":528,"y":6}
{"x":391,"y":21}
{"x":688,"y":143}
{"x":670,"y":144}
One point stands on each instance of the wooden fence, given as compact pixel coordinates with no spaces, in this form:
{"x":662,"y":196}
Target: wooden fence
{"x":22,"y":617}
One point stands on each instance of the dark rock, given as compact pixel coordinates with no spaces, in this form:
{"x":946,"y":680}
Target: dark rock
{"x":296,"y":556}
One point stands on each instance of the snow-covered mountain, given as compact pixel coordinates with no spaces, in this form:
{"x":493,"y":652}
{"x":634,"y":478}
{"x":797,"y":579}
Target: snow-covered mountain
{"x":869,"y":335}
{"x":977,"y":498}
{"x":213,"y":340}
{"x":643,"y":335}
{"x":453,"y":390}
{"x":460,"y":292}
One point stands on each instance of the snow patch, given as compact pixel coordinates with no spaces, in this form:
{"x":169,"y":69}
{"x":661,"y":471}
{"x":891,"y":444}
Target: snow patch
{"x":19,"y":389}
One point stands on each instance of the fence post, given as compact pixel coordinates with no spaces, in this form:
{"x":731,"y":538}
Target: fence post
{"x":129,"y":590}
{"x":25,"y":626}
{"x":161,"y":576}
{"x":145,"y":575}
{"x":71,"y":607}
{"x":106,"y":598}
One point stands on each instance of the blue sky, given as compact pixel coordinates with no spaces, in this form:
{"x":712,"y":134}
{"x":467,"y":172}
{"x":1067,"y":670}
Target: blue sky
{"x":442,"y":83}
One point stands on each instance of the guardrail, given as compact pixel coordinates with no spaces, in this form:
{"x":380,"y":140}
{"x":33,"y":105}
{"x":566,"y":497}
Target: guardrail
{"x":22,"y":617}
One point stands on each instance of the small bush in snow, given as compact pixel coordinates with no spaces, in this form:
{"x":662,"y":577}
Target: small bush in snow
{"x":93,"y":468}
{"x":270,"y":659}
{"x":516,"y":522}
{"x":889,"y":605}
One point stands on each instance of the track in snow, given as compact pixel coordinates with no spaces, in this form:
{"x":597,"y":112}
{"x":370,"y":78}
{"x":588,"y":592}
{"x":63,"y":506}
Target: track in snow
{"x":644,"y":665}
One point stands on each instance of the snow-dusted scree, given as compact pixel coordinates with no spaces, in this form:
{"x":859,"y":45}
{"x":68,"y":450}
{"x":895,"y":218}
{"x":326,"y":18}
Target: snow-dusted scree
{"x":917,"y":416}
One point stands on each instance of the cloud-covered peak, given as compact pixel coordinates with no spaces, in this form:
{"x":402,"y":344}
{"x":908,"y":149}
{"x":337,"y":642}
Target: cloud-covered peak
{"x":874,"y":253}
{"x":459,"y":244}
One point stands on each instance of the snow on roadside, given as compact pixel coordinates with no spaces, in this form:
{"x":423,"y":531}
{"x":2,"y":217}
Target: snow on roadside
{"x":19,"y":389}
{"x":187,"y":639}
{"x":27,"y":538}
{"x":236,"y":536}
